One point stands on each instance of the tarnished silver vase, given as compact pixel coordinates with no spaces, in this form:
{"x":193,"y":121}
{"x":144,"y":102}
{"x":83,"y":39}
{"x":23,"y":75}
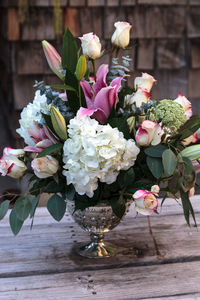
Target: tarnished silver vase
{"x":96,"y":220}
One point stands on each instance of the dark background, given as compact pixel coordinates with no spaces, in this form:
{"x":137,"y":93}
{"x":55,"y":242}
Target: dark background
{"x":165,"y":34}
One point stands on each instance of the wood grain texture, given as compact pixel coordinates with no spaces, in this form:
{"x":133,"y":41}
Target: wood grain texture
{"x":42,"y":263}
{"x":13,"y":25}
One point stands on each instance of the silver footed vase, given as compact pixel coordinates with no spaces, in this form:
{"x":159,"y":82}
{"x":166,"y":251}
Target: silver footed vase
{"x":96,"y":220}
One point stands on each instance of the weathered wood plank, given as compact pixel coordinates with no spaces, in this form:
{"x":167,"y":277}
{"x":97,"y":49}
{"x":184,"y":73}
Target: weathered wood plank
{"x":13,"y":25}
{"x":49,"y":245}
{"x":179,"y":279}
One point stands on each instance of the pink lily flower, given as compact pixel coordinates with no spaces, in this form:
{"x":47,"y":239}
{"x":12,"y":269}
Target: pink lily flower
{"x":53,"y":59}
{"x":100,"y":97}
{"x":42,"y":138}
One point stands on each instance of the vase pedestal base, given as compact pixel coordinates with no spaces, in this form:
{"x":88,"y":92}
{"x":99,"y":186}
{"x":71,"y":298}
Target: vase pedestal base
{"x":97,"y":248}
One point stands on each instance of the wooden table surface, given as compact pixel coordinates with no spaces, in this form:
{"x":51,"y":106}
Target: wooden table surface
{"x":41,"y":264}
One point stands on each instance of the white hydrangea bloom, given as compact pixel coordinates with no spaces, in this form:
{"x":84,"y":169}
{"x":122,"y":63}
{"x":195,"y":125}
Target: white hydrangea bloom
{"x":93,"y":152}
{"x":30,"y":113}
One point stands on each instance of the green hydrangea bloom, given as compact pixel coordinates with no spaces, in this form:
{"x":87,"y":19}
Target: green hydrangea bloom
{"x":170,"y":113}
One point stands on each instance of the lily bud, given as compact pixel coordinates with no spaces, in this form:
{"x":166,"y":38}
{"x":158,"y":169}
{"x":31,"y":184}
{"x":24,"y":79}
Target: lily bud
{"x":58,"y":123}
{"x":81,"y":67}
{"x":121,"y":36}
{"x":91,"y":45}
{"x":53,"y":59}
{"x":191,"y":152}
{"x":45,"y":167}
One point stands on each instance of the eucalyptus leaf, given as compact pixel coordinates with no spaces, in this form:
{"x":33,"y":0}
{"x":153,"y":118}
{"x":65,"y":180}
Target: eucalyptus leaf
{"x":34,"y":204}
{"x":169,"y":162}
{"x":4,"y":208}
{"x":15,"y":223}
{"x":155,"y":166}
{"x":56,"y":207}
{"x":188,"y":166}
{"x":23,"y":208}
{"x":155,"y":151}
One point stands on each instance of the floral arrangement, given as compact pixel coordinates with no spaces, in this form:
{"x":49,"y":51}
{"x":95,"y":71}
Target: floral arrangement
{"x":99,"y":139}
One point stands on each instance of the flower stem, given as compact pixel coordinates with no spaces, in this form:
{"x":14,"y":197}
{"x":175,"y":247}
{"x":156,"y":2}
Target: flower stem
{"x":79,"y":93}
{"x":94,"y":68}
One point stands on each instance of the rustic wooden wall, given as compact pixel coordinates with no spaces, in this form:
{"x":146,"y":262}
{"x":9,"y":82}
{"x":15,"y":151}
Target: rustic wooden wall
{"x":166,"y":35}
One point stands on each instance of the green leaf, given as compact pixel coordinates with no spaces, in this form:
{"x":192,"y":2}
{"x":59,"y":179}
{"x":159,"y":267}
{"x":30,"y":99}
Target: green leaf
{"x":155,"y":151}
{"x":4,"y":208}
{"x":34,"y":204}
{"x":155,"y":166}
{"x":121,"y":124}
{"x":129,"y":177}
{"x":187,"y":207}
{"x":188,"y":128}
{"x":72,"y":97}
{"x":174,"y":182}
{"x":188,"y":166}
{"x":69,"y":52}
{"x":70,"y":193}
{"x":118,"y":206}
{"x":169,"y":162}
{"x":56,"y":207}
{"x":48,"y":122}
{"x":54,"y":187}
{"x":23,"y":208}
{"x":63,"y":87}
{"x":15,"y":223}
{"x":50,"y":150}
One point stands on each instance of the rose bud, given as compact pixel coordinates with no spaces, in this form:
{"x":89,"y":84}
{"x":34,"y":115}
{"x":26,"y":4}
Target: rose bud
{"x":137,"y":98}
{"x":155,"y":189}
{"x":149,"y":132}
{"x":91,"y":45}
{"x":121,"y":36}
{"x":146,"y":81}
{"x":186,"y":105}
{"x":15,"y":152}
{"x":191,"y":139}
{"x":10,"y":165}
{"x":145,"y":202}
{"x":44,"y":167}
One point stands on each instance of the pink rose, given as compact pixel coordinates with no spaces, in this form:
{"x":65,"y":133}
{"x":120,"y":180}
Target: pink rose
{"x":186,"y":105}
{"x":10,"y":164}
{"x":145,"y":202}
{"x":149,"y":133}
{"x":44,"y":167}
{"x":145,"y":81}
{"x":191,"y":139}
{"x":139,"y":97}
